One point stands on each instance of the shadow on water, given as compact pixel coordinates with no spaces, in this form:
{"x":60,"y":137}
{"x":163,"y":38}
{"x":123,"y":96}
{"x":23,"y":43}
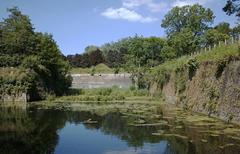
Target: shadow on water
{"x":54,"y":131}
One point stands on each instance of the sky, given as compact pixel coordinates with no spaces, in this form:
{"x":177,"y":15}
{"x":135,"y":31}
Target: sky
{"x":76,"y":24}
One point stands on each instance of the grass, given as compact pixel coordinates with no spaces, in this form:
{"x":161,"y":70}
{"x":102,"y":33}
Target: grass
{"x":214,"y":55}
{"x":113,"y":94}
{"x":100,"y":68}
{"x":217,"y":55}
{"x":220,"y":53}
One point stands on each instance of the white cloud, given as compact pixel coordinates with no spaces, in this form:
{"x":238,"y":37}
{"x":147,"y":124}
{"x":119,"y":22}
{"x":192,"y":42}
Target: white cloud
{"x":128,"y":10}
{"x":150,"y":4}
{"x":126,"y":14}
{"x":181,"y":3}
{"x":135,"y":3}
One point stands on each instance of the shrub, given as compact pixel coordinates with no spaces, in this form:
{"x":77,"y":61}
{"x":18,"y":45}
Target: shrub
{"x":192,"y":67}
{"x":220,"y":68}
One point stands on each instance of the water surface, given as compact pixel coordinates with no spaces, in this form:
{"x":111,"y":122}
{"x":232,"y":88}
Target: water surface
{"x":86,"y":132}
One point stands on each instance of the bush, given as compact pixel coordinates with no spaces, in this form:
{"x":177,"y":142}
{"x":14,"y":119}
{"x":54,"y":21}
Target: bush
{"x":93,"y":71}
{"x":192,"y":68}
{"x":220,"y":68}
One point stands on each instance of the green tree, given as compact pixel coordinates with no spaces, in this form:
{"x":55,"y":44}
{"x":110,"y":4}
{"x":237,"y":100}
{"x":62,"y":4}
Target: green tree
{"x":196,"y":18}
{"x":168,"y":52}
{"x":185,"y":27}
{"x":152,"y":48}
{"x":17,"y":35}
{"x":184,"y":42}
{"x":56,"y":78}
{"x":90,"y":49}
{"x":223,"y":28}
{"x":213,"y":36}
{"x":96,"y":57}
{"x":236,"y":32}
{"x":43,"y":68}
{"x":232,"y":7}
{"x":114,"y":52}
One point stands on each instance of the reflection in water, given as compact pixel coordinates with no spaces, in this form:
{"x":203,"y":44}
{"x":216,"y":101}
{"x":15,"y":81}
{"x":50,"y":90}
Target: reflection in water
{"x":53,"y":131}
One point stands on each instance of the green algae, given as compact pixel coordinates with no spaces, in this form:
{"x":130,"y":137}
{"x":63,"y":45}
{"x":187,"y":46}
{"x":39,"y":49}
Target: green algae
{"x":196,"y":118}
{"x":179,"y":127}
{"x":90,"y":121}
{"x":170,"y":124}
{"x":235,"y":138}
{"x":204,"y":140}
{"x":149,"y":124}
{"x":171,"y":135}
{"x":226,"y":145}
{"x":232,"y":131}
{"x":140,"y":121}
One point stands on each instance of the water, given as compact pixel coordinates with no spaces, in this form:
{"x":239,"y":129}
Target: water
{"x":40,"y":131}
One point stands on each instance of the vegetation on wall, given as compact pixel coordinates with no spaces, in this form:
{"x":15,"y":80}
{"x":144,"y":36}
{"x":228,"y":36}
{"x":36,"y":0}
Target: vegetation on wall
{"x":220,"y":56}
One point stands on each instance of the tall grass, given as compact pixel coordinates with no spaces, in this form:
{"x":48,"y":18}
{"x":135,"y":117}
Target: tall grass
{"x":102,"y":94}
{"x":161,"y":73}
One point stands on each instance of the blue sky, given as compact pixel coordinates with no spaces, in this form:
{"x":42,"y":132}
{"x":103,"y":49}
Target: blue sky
{"x":78,"y":23}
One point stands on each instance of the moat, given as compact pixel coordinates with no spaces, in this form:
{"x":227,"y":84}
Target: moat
{"x":134,"y":128}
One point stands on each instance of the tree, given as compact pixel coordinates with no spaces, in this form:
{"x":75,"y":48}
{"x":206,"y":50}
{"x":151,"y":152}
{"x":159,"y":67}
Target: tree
{"x":114,"y":52}
{"x":232,"y":7}
{"x":17,"y":35}
{"x":152,"y":48}
{"x":185,"y":27}
{"x":195,"y":18}
{"x":236,"y":32}
{"x":168,"y":52}
{"x":90,"y":49}
{"x":184,"y":42}
{"x":74,"y":60}
{"x":56,"y":70}
{"x":96,"y":57}
{"x":114,"y":58}
{"x":36,"y":55}
{"x":223,"y":28}
{"x":213,"y":36}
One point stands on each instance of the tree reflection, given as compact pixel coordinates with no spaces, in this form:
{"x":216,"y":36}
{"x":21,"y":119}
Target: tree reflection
{"x":36,"y":131}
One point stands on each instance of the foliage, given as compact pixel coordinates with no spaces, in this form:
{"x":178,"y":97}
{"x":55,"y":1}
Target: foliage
{"x":102,"y":94}
{"x":100,"y":68}
{"x":192,"y":68}
{"x":220,"y":68}
{"x":223,"y":28}
{"x":236,"y":32}
{"x":93,"y":71}
{"x":232,"y":7}
{"x":184,"y":42}
{"x":90,"y":58}
{"x":213,"y":36}
{"x":36,"y":55}
{"x":185,"y":27}
{"x":96,"y":57}
{"x":161,"y":74}
{"x":91,"y":48}
{"x":17,"y":35}
{"x":195,"y":18}
{"x":213,"y":95}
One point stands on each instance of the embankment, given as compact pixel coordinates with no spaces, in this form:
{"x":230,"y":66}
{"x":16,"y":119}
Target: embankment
{"x":208,"y":83}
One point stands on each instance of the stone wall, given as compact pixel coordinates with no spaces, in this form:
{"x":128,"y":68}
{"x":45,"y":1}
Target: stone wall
{"x":87,"y":81}
{"x":218,"y":96}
